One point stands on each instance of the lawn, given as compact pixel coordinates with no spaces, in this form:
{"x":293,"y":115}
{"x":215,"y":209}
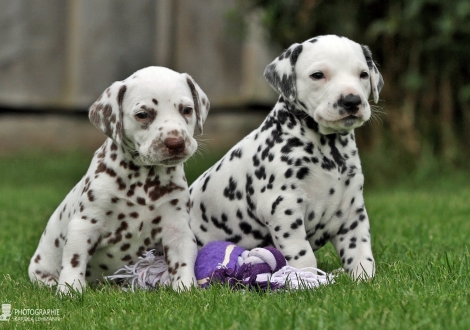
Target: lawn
{"x":420,"y":232}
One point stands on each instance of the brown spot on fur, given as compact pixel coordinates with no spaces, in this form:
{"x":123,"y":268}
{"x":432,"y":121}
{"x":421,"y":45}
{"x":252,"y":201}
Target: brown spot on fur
{"x":155,"y":101}
{"x":56,"y":242}
{"x":134,"y":215}
{"x":103,"y":168}
{"x":120,"y":183}
{"x":104,"y":267}
{"x":75,"y":260}
{"x":174,"y":202}
{"x":155,"y":231}
{"x":155,"y":191}
{"x":125,"y":247}
{"x":157,"y":220}
{"x":126,"y":258}
{"x":92,"y":250}
{"x":120,"y":95}
{"x":91,"y":198}
{"x":140,"y":201}
{"x":38,"y":257}
{"x":141,"y":251}
{"x":166,"y":248}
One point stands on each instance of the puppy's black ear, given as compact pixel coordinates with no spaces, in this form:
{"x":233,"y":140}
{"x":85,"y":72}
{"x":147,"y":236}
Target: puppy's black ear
{"x":281,"y":72}
{"x":376,"y":80}
{"x":106,"y":112}
{"x":201,"y":102}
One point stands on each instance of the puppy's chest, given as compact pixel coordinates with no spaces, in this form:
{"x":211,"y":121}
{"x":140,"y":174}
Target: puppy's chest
{"x":328,"y":176}
{"x":333,"y":187}
{"x":133,"y":212}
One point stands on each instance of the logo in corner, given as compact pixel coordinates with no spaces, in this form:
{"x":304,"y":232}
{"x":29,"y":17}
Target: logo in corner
{"x":6,"y":312}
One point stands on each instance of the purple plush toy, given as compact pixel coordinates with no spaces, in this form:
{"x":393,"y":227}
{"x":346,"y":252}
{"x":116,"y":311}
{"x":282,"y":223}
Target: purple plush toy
{"x":225,"y":262}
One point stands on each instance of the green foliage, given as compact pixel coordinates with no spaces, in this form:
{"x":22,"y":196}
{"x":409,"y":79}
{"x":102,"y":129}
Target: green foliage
{"x":419,"y":235}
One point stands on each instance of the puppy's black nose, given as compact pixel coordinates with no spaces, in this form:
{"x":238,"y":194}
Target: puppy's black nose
{"x":174,"y":144}
{"x":350,"y":103}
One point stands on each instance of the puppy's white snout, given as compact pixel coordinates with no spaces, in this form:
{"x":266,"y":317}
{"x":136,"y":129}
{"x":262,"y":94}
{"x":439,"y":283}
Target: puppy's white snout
{"x":175,"y":145}
{"x":350,"y":103}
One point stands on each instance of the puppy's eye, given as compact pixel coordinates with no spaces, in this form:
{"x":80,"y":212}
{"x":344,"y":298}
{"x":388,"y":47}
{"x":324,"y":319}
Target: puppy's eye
{"x":317,"y":75}
{"x":364,"y":75}
{"x":142,"y":116}
{"x":187,"y":111}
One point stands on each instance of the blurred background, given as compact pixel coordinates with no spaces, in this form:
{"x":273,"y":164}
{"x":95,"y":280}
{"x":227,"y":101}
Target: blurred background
{"x":57,"y":56}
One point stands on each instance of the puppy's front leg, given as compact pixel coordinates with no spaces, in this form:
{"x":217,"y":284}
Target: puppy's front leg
{"x":287,"y":228}
{"x":82,"y":241}
{"x":353,"y":244}
{"x":179,"y":244}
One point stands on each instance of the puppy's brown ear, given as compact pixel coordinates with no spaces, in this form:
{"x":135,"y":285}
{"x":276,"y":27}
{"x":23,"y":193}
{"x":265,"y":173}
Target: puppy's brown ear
{"x":376,"y":80}
{"x":201,"y":102}
{"x":106,"y":112}
{"x":280,"y":73}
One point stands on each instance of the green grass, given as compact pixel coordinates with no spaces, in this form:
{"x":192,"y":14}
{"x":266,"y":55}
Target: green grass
{"x":420,"y":232}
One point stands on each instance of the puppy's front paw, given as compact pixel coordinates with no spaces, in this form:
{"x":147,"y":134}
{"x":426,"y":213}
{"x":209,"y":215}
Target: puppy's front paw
{"x":184,"y":283}
{"x":363,"y":272}
{"x":65,"y":288}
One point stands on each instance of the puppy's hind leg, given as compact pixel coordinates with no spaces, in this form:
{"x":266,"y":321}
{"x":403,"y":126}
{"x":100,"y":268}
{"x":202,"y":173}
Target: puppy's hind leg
{"x":44,"y":267}
{"x":82,"y":242}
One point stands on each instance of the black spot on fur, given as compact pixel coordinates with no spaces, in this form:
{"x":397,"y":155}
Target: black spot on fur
{"x":278,"y":200}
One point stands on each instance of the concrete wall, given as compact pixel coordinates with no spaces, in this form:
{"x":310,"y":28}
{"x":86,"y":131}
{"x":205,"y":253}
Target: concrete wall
{"x":64,"y":53}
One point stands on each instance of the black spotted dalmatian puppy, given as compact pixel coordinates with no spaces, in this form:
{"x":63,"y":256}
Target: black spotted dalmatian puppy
{"x":134,"y":196}
{"x":296,"y":181}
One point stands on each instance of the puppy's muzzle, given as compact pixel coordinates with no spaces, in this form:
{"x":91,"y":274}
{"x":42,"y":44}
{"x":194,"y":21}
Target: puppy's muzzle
{"x":350,"y":103}
{"x":174,"y":145}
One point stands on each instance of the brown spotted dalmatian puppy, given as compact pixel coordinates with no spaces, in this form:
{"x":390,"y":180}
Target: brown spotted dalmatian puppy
{"x":296,"y":181}
{"x":134,"y":196}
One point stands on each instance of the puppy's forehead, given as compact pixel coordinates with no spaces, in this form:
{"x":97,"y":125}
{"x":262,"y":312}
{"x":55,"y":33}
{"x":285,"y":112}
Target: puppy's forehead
{"x":166,"y":85}
{"x":331,"y":48}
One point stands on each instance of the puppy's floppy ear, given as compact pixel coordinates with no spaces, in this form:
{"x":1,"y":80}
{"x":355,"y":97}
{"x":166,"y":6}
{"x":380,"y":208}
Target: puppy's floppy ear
{"x":281,"y":72}
{"x":106,"y":112}
{"x":376,"y":80}
{"x":201,"y":102}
